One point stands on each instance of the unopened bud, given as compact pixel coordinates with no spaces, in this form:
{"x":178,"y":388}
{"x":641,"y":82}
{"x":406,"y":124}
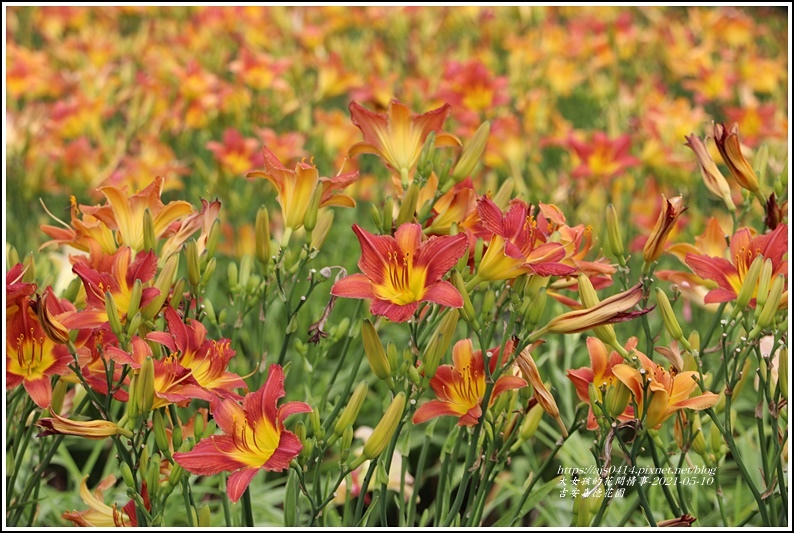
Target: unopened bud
{"x":373,"y":348}
{"x":472,"y":152}
{"x":231,"y":275}
{"x":614,"y":238}
{"x":531,"y":422}
{"x":764,"y":282}
{"x":467,"y":312}
{"x":145,"y":389}
{"x":133,"y":411}
{"x":126,"y":475}
{"x":616,"y":399}
{"x":605,"y":333}
{"x":488,"y":301}
{"x":428,"y":149}
{"x":770,"y":307}
{"x":58,"y":395}
{"x":383,"y":432}
{"x":310,"y":218}
{"x":262,"y":236}
{"x":320,"y":233}
{"x":204,"y":516}
{"x":246,"y":263}
{"x":149,"y":237}
{"x":346,"y":444}
{"x":408,"y":206}
{"x":163,"y":283}
{"x":749,"y":285}
{"x":388,"y":215}
{"x":668,"y":317}
{"x":113,"y":315}
{"x":505,"y":192}
{"x":193,"y":268}
{"x":213,"y":238}
{"x":537,"y":307}
{"x":782,"y":372}
{"x":317,"y":427}
{"x":698,"y":440}
{"x":351,"y":410}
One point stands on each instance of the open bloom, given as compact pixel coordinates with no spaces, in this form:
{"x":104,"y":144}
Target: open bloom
{"x":600,"y":374}
{"x":398,"y":135}
{"x":31,"y":356}
{"x":744,"y":248}
{"x":100,"y":514}
{"x":295,"y":187}
{"x":460,"y":387}
{"x":517,"y":246}
{"x":206,"y":359}
{"x":401,"y":271}
{"x":664,"y":392}
{"x":254,"y":440}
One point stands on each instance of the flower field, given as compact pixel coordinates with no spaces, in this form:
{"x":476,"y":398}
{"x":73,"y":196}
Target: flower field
{"x":352,"y":266}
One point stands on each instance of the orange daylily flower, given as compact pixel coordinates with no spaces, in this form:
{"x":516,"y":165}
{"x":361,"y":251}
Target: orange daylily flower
{"x":460,"y":387}
{"x":100,"y":514}
{"x":401,"y":271}
{"x":398,"y":135}
{"x":125,"y":214}
{"x":600,"y":373}
{"x":295,"y":187}
{"x":254,"y":439}
{"x":665,"y":392}
{"x":602,"y":157}
{"x":731,"y":151}
{"x":671,"y":210}
{"x":744,"y":248}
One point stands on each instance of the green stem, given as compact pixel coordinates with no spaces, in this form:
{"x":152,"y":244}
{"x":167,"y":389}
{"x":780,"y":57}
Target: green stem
{"x":248,"y":511}
{"x":716,"y":320}
{"x":420,"y":470}
{"x":363,"y":492}
{"x":666,"y":489}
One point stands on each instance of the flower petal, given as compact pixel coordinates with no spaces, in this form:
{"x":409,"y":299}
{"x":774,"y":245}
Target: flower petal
{"x":353,"y":286}
{"x":238,"y":482}
{"x":444,"y":293}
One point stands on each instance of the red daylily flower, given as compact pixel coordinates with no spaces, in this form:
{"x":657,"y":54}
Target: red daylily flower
{"x":119,"y":281}
{"x":206,"y":359}
{"x":31,"y":356}
{"x":295,"y":187}
{"x":730,"y":274}
{"x":401,"y":271}
{"x":398,"y":135}
{"x":602,"y":157}
{"x":517,"y":247}
{"x":254,"y":440}
{"x":460,"y":387}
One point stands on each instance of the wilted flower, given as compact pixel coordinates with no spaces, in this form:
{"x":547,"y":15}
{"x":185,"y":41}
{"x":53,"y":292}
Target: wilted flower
{"x":654,"y":246}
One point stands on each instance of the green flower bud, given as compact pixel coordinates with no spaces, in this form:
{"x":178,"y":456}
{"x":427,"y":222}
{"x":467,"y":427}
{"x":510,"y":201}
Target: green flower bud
{"x":535,"y":312}
{"x":505,"y":192}
{"x":204,"y":516}
{"x":262,"y":236}
{"x":698,"y":440}
{"x":231,"y":275}
{"x":472,"y":152}
{"x":163,"y":283}
{"x":392,"y":355}
{"x":113,"y":315}
{"x":385,"y":429}
{"x":388,"y":216}
{"x":488,"y":302}
{"x":351,"y":410}
{"x":531,"y":422}
{"x":153,"y":477}
{"x":126,"y":475}
{"x":782,"y":372}
{"x":668,"y":317}
{"x":770,"y":307}
{"x":160,"y":434}
{"x":614,"y":238}
{"x":149,"y":238}
{"x":346,"y":444}
{"x":373,"y":348}
{"x":408,"y":207}
{"x":193,"y":268}
{"x":58,"y":394}
{"x":749,"y":285}
{"x":310,"y":218}
{"x":246,"y":263}
{"x":764,"y":282}
{"x":213,"y":238}
{"x":145,"y":389}
{"x":320,"y":233}
{"x":291,"y":499}
{"x":616,"y":399}
{"x":178,"y":292}
{"x":467,"y":312}
{"x":210,"y":429}
{"x":317,"y":427}
{"x":426,"y":155}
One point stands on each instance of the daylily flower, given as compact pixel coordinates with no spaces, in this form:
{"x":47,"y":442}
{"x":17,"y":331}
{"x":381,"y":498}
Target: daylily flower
{"x":602,"y":157}
{"x":744,"y":248}
{"x":731,"y":151}
{"x":90,"y":429}
{"x":119,"y":281}
{"x":236,"y":154}
{"x":295,"y":187}
{"x":173,"y":383}
{"x":526,"y":364}
{"x":664,"y":392}
{"x":712,"y":177}
{"x":460,"y":387}
{"x":31,"y":356}
{"x":100,"y":514}
{"x":401,"y":271}
{"x":600,"y":373}
{"x":125,"y":214}
{"x":254,"y":440}
{"x":517,"y":247}
{"x":398,"y":135}
{"x":206,"y":359}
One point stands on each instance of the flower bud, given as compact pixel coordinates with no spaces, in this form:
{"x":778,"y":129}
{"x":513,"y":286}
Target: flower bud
{"x":133,"y":411}
{"x":231,"y":275}
{"x":505,"y":192}
{"x":749,"y":285}
{"x":209,"y":430}
{"x":712,"y":177}
{"x":113,"y":314}
{"x":408,"y":206}
{"x":320,"y":233}
{"x":204,"y":516}
{"x":373,"y":348}
{"x":145,"y":389}
{"x":346,"y":444}
{"x":317,"y":427}
{"x":209,"y":270}
{"x":160,"y":434}
{"x":731,"y":151}
{"x":383,"y":432}
{"x":616,"y":399}
{"x":351,"y":410}
{"x":764,"y":281}
{"x":668,"y":317}
{"x":246,"y":263}
{"x":488,"y":301}
{"x":310,"y":218}
{"x":782,"y":372}
{"x":467,"y":312}
{"x":472,"y":152}
{"x":614,"y":238}
{"x":531,"y":422}
{"x":439,"y":343}
{"x":536,"y":308}
{"x":388,"y":216}
{"x":58,"y":395}
{"x":262,"y":236}
{"x":654,"y":246}
{"x":770,"y":307}
{"x":126,"y":475}
{"x":291,"y":495}
{"x":213,"y":238}
{"x":149,"y":237}
{"x":193,"y":268}
{"x":163,"y":283}
{"x":176,"y":434}
{"x":605,"y":333}
{"x":426,"y":155}
{"x":698,"y":440}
